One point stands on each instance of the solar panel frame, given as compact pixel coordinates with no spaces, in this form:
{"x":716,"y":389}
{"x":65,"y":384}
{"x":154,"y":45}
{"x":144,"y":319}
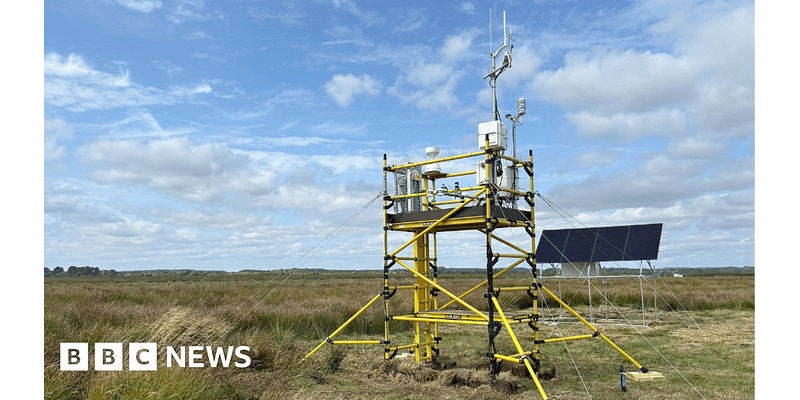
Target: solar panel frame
{"x":611,"y":243}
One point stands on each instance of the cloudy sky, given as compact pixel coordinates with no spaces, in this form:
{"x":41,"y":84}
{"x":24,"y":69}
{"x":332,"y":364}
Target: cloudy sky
{"x":245,"y":134}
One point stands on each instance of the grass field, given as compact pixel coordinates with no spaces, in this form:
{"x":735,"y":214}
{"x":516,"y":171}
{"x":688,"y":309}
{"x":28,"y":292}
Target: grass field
{"x":703,"y":341}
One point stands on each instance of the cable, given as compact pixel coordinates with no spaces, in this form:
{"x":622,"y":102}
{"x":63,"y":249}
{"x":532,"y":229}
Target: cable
{"x":574,"y":364}
{"x":324,"y":241}
{"x":628,"y":321}
{"x":699,"y":329}
{"x":547,"y":201}
{"x":544,"y":301}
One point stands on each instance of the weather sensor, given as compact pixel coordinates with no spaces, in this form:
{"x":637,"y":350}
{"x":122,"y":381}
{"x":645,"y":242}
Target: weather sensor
{"x":432,"y":169}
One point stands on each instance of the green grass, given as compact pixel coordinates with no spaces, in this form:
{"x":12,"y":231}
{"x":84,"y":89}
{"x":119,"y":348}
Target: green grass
{"x":703,"y":341}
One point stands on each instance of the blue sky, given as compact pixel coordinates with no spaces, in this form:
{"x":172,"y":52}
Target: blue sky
{"x":239,"y":134}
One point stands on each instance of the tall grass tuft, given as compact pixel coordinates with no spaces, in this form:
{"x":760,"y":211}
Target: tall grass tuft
{"x":166,"y":383}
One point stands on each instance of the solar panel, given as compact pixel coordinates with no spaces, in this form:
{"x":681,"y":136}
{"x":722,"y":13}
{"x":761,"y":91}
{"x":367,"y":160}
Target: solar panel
{"x":611,"y":243}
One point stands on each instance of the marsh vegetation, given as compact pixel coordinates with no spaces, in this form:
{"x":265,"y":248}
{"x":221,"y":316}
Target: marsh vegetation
{"x":703,"y":340}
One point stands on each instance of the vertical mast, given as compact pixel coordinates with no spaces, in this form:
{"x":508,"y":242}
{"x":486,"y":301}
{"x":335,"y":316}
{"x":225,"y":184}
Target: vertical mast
{"x":496,"y":71}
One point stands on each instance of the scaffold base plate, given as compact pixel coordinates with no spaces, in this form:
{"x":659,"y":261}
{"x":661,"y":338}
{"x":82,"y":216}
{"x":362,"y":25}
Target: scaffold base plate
{"x":646,"y":376}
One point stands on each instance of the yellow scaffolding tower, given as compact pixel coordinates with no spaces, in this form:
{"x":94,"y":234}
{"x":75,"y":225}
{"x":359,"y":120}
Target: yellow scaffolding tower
{"x":487,"y":207}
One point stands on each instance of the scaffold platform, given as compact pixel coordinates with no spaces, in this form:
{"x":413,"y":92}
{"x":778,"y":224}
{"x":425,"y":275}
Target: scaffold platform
{"x":468,"y":218}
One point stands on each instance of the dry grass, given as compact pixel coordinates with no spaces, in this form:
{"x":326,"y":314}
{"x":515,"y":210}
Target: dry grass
{"x":708,"y":349}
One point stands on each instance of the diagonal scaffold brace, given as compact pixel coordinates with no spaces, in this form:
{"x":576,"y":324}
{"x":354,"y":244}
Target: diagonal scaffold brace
{"x":330,"y":340}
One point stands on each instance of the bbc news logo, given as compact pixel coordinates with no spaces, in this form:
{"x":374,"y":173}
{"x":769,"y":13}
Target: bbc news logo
{"x":144,"y":356}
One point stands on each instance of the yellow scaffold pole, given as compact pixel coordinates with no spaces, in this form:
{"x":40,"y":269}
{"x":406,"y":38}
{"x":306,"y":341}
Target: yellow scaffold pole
{"x":517,"y":345}
{"x":443,"y":290}
{"x":438,"y":160}
{"x":596,"y":332}
{"x":505,"y":242}
{"x":480,"y":285}
{"x":329,"y":338}
{"x":434,"y":225}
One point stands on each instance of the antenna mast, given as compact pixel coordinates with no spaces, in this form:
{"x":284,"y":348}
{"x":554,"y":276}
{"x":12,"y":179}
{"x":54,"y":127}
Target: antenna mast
{"x":496,"y":71}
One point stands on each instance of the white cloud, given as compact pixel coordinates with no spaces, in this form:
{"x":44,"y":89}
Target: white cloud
{"x":367,"y":18}
{"x":424,"y":74}
{"x":722,"y":50}
{"x":442,"y":97}
{"x":199,"y":35}
{"x":596,"y":157}
{"x":455,"y":47}
{"x":726,"y":109}
{"x":71,"y":83}
{"x":628,"y":127}
{"x":296,"y":98}
{"x":291,"y":15}
{"x":127,"y":230}
{"x":186,"y":10}
{"x":718,"y":36}
{"x":661,"y":180}
{"x":296,"y":140}
{"x":614,"y":81}
{"x":350,"y":163}
{"x":67,"y":200}
{"x":211,"y":218}
{"x":707,"y":82}
{"x":719,"y":214}
{"x":186,"y":235}
{"x":343,"y":88}
{"x":144,"y":6}
{"x":55,"y":130}
{"x":213,"y":173}
{"x":81,"y":223}
{"x":697,"y":147}
{"x":677,"y":97}
{"x":347,"y":34}
{"x":414,"y":20}
{"x":336,"y":128}
{"x":426,"y":95}
{"x":524,"y":64}
{"x":140,"y":123}
{"x":73,"y":66}
{"x":193,"y":172}
{"x":699,"y":100}
{"x":429,"y":77}
{"x":331,"y":201}
{"x":168,"y":67}
{"x":696,"y":229}
{"x":209,"y":57}
{"x":184,"y":91}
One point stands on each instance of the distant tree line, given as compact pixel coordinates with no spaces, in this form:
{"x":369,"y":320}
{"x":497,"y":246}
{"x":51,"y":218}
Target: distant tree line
{"x":87,"y":271}
{"x":78,"y":271}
